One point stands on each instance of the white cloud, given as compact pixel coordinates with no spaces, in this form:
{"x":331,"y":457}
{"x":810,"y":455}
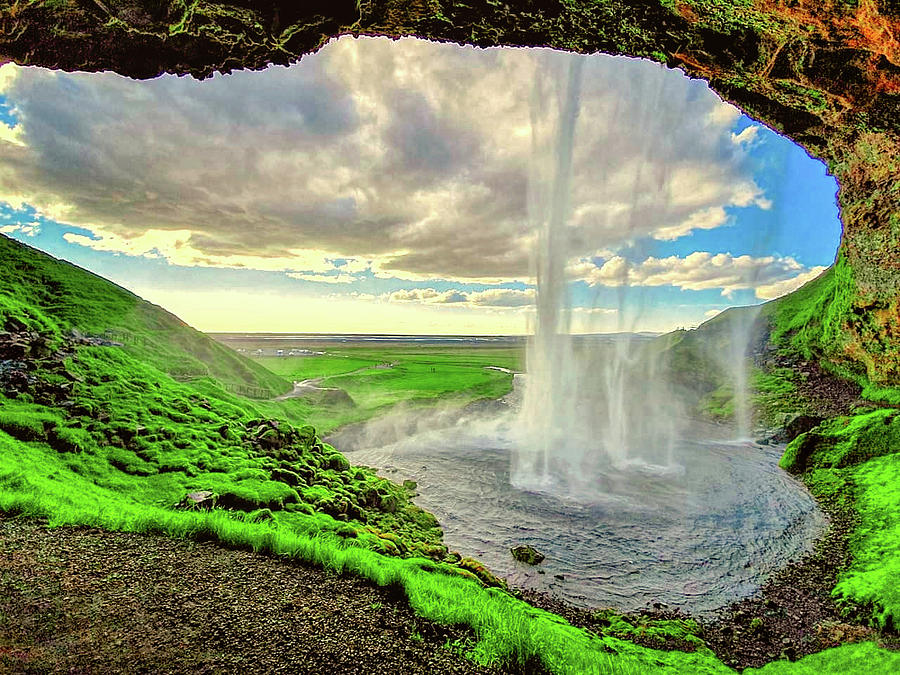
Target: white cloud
{"x":324,"y":278}
{"x":779,"y":288}
{"x":706,"y":219}
{"x":768,"y":276}
{"x":746,"y":137}
{"x":723,"y":115}
{"x":502,"y":297}
{"x":28,"y":229}
{"x":405,"y":157}
{"x":492,"y":297}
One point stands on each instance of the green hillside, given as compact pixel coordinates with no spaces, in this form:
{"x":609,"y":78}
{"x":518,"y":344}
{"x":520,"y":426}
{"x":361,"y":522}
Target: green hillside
{"x":55,"y":298}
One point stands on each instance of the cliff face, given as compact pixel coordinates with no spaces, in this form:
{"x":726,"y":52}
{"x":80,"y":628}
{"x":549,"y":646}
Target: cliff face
{"x":825,"y":73}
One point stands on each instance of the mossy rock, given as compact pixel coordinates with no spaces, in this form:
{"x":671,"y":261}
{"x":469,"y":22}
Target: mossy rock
{"x":844,"y":441}
{"x":527,"y":554}
{"x":481,"y":572}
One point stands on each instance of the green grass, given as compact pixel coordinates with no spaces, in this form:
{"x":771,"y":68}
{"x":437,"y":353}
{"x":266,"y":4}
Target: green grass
{"x":864,"y":658}
{"x":54,"y":297}
{"x":424,"y":375}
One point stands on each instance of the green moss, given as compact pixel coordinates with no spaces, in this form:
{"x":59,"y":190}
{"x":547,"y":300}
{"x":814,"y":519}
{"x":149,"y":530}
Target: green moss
{"x":662,"y":631}
{"x":872,"y":580}
{"x":810,"y":319}
{"x":865,"y":657}
{"x":844,"y":441}
{"x":854,"y":462}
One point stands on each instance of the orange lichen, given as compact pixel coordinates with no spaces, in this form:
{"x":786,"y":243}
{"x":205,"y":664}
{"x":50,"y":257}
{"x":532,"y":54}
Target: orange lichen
{"x":879,"y":33}
{"x":863,"y":28}
{"x":687,"y":12}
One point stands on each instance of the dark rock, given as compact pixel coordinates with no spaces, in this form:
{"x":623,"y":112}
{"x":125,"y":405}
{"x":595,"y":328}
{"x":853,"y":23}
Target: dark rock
{"x":13,"y":325}
{"x":527,"y":554}
{"x":799,"y":424}
{"x":286,"y":476}
{"x":388,"y":503}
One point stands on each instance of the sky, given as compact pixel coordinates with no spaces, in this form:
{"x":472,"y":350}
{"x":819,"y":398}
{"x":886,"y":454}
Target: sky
{"x":382,"y":186}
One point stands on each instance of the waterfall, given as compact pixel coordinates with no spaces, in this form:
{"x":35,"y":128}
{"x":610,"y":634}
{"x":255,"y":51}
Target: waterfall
{"x":589,"y":406}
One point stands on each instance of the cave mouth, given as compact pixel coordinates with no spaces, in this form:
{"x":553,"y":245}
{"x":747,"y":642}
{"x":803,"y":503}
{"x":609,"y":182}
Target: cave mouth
{"x":399,"y":173}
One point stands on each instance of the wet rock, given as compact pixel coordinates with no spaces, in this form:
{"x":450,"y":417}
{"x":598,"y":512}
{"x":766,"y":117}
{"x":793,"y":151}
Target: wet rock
{"x":527,"y":554}
{"x":80,"y":338}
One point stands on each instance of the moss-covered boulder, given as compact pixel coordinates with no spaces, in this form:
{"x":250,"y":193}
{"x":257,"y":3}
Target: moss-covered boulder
{"x":527,"y":554}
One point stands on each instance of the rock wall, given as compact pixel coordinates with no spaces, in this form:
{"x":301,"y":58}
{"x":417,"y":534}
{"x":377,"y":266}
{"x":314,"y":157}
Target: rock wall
{"x":825,"y":73}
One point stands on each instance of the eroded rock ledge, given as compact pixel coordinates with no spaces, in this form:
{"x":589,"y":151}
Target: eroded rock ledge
{"x":825,"y":73}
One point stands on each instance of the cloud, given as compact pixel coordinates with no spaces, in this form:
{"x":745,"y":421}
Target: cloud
{"x":325,"y":278}
{"x":492,"y":297}
{"x":769,"y":277}
{"x":706,"y":219}
{"x":410,"y":158}
{"x":28,"y":229}
{"x":746,"y":137}
{"x":778,"y":288}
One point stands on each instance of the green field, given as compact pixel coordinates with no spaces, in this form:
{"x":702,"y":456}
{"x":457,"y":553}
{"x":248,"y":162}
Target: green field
{"x":377,"y":379}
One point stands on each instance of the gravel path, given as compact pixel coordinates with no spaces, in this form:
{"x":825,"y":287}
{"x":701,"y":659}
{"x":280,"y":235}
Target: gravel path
{"x":80,"y":600}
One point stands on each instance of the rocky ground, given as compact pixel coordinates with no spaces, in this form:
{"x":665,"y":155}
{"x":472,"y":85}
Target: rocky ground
{"x":87,"y":601}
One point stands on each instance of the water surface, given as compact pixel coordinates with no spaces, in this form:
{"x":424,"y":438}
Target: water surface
{"x":696,"y":536}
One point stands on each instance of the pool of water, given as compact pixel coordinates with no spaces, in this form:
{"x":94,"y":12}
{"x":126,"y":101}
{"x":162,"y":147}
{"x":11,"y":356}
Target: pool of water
{"x":696,"y":536}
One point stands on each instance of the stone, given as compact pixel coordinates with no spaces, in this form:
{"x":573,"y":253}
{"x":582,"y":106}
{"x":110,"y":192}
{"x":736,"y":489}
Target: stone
{"x":527,"y":554}
{"x":197,"y":501}
{"x":799,"y":424}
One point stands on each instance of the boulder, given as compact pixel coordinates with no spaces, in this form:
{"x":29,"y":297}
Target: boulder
{"x":799,"y":424}
{"x":527,"y":554}
{"x":196,"y":501}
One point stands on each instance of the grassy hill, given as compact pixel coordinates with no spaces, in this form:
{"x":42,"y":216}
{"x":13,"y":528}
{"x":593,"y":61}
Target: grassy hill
{"x":55,"y":298}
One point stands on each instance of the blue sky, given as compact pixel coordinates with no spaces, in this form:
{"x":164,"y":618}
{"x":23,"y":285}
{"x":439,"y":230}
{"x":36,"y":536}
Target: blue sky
{"x":382,"y":186}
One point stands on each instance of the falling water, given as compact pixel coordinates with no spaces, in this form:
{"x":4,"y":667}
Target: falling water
{"x":741,"y":322}
{"x":590,"y":406}
{"x":550,"y":357}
